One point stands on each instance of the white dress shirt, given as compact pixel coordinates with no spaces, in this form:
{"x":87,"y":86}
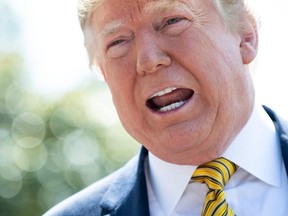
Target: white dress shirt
{"x":258,"y":188}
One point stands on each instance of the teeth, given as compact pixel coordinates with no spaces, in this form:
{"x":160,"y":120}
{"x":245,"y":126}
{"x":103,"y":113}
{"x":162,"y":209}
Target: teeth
{"x":163,"y":92}
{"x":172,"y":106}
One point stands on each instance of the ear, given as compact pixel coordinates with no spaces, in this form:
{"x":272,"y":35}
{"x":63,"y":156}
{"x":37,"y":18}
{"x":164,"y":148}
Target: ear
{"x":249,"y":44}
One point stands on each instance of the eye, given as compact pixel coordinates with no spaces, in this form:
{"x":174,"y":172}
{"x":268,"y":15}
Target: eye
{"x":174,"y":26}
{"x":118,"y":46}
{"x":116,"y":42}
{"x":173,"y":21}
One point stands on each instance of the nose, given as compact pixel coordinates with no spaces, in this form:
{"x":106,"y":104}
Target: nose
{"x":151,"y":57}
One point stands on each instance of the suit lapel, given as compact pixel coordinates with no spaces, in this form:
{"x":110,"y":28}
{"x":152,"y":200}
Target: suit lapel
{"x":282,"y":130}
{"x":127,"y":195}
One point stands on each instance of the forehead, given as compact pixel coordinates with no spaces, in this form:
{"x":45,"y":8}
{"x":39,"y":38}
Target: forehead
{"x":110,"y":10}
{"x":134,"y":4}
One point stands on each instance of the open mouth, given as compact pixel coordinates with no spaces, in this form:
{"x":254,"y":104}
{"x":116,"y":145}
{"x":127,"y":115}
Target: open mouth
{"x":169,"y":99}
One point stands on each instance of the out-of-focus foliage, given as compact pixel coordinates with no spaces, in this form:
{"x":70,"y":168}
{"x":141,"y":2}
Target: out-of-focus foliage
{"x":51,"y":149}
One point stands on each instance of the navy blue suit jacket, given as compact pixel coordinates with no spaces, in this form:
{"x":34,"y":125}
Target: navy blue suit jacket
{"x":124,"y":193}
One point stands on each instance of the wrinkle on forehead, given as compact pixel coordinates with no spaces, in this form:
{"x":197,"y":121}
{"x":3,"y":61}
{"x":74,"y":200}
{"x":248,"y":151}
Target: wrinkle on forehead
{"x":158,"y":6}
{"x":148,"y":7}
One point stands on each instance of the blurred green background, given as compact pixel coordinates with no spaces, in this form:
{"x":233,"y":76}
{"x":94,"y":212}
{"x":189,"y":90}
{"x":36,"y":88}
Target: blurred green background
{"x":51,"y":146}
{"x":59,"y":131}
{"x":50,"y":150}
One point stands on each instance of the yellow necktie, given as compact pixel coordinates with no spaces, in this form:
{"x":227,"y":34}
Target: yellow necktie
{"x":215,"y":175}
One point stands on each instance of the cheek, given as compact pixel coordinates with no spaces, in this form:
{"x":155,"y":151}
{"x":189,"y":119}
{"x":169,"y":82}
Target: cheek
{"x":122,"y":89}
{"x":216,"y":65}
{"x":122,"y":97}
{"x":204,"y":62}
{"x":119,"y":78}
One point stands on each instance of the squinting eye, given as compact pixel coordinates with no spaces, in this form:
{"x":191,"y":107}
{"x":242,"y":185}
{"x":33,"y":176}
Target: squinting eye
{"x":174,"y":26}
{"x":173,"y":21}
{"x":114,"y":43}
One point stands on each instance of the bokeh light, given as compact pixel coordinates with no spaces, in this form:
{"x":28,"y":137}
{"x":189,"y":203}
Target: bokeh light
{"x":10,"y":180}
{"x":28,"y":130}
{"x":51,"y":149}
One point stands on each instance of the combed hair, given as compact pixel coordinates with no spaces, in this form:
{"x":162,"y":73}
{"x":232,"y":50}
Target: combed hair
{"x":235,"y":13}
{"x":231,"y":12}
{"x":85,"y":9}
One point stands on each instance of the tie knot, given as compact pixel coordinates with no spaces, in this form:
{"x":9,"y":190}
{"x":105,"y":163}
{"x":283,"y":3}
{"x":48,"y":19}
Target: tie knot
{"x":215,"y":173}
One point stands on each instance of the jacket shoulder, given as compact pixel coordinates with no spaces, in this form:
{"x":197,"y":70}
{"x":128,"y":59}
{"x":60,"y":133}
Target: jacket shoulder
{"x":281,"y":126}
{"x":87,"y":201}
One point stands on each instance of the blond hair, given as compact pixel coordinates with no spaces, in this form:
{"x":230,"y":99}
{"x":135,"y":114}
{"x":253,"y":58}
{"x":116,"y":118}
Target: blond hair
{"x":85,"y":9}
{"x":230,"y":11}
{"x":236,"y":14}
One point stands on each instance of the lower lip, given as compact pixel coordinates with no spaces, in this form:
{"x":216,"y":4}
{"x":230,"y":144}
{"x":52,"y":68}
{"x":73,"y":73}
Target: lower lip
{"x":172,"y":110}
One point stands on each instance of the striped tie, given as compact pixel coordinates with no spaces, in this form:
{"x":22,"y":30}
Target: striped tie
{"x":215,"y":175}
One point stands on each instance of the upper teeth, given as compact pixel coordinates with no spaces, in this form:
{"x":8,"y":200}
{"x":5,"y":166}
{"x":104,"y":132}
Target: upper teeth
{"x":163,"y":92}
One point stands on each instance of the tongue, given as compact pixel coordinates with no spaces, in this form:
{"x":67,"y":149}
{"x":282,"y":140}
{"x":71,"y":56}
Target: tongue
{"x":173,"y":97}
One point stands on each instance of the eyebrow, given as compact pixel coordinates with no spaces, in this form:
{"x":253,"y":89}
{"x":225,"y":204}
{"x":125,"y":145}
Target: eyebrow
{"x":111,"y":27}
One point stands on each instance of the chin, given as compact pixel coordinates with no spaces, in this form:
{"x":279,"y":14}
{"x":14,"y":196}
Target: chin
{"x":188,"y":154}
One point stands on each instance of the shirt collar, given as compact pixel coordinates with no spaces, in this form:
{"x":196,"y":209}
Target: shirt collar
{"x":257,"y":139}
{"x":163,"y":178}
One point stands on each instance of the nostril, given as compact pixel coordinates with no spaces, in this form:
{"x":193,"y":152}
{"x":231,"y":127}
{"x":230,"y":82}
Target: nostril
{"x":147,"y":67}
{"x":151,"y":59}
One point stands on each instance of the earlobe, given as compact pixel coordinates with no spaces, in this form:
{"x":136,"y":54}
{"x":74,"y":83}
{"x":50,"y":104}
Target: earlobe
{"x":249,"y":46}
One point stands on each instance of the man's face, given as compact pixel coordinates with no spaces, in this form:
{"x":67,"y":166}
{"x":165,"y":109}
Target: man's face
{"x":176,"y":75}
